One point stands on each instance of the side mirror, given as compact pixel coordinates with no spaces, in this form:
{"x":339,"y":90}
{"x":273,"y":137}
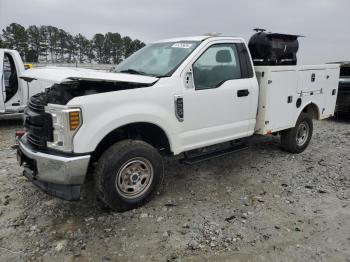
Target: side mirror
{"x":189,"y":83}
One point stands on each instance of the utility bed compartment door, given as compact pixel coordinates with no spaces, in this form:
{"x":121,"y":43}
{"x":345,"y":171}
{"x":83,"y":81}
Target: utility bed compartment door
{"x":281,"y":99}
{"x":330,"y":91}
{"x":277,"y":97}
{"x":310,"y":80}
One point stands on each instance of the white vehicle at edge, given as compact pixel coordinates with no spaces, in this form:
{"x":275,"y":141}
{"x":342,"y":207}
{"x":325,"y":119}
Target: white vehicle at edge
{"x":14,"y":91}
{"x":171,"y":97}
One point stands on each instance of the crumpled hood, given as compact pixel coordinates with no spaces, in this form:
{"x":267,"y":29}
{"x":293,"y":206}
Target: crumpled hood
{"x":63,"y":74}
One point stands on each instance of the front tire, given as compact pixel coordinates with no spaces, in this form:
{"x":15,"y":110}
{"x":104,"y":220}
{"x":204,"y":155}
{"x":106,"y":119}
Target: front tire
{"x":128,"y":174}
{"x":296,"y":140}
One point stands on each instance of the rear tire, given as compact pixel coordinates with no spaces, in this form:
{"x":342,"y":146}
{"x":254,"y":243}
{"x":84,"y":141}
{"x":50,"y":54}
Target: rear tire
{"x":128,"y":174}
{"x":296,"y":139}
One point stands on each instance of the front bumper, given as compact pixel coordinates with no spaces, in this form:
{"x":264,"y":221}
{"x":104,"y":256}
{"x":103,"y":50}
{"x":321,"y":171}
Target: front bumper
{"x":57,"y":175}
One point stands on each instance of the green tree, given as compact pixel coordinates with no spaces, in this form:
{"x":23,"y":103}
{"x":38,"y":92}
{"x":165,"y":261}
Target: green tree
{"x":1,"y":42}
{"x":127,"y":46}
{"x":71,"y":49}
{"x":44,"y":43}
{"x":107,"y":48}
{"x":98,"y":41}
{"x":38,"y":43}
{"x":34,"y":43}
{"x":137,"y":44}
{"x":90,"y":52}
{"x":15,"y":37}
{"x":82,"y":45}
{"x":117,"y":48}
{"x":62,"y":45}
{"x":53,"y":38}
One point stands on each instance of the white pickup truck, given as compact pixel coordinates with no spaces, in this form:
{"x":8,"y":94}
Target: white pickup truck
{"x":195,"y":95}
{"x":13,"y":91}
{"x":16,"y":92}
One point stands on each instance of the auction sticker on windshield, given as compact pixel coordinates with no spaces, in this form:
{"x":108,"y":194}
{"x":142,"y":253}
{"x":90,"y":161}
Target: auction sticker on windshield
{"x":182,"y":45}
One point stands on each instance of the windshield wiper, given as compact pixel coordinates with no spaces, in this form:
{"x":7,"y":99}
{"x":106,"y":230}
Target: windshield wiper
{"x":132,"y":71}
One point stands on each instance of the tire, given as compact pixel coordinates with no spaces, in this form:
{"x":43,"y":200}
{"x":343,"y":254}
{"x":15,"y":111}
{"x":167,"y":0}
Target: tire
{"x":128,"y":174}
{"x":296,"y":140}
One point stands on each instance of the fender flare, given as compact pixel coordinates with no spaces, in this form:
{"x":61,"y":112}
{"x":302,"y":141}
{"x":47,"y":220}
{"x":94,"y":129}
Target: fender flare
{"x":314,"y":114}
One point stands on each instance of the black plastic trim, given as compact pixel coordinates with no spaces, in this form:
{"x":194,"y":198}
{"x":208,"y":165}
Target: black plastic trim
{"x":244,"y":59}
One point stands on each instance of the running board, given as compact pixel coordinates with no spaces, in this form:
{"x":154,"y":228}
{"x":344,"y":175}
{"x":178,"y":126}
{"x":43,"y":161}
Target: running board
{"x":191,"y":160}
{"x":11,"y":116}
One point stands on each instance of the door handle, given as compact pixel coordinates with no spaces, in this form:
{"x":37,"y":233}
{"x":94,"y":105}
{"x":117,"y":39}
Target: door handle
{"x":243,"y":92}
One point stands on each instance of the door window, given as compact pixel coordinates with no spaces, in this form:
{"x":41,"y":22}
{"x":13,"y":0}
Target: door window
{"x":10,"y":77}
{"x":215,"y":66}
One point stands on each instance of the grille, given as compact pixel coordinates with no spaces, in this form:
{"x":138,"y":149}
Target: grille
{"x":38,"y":124}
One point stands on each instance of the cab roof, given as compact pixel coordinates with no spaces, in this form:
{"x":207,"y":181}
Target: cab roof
{"x":199,"y":38}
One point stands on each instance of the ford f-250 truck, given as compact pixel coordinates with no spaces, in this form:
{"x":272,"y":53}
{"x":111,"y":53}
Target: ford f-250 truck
{"x":194,"y":95}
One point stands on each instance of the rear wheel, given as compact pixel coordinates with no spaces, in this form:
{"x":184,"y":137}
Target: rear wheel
{"x":296,"y":140}
{"x":128,"y":174}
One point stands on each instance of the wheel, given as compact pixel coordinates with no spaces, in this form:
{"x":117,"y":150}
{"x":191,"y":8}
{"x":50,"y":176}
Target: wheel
{"x":296,"y":140}
{"x":128,"y":174}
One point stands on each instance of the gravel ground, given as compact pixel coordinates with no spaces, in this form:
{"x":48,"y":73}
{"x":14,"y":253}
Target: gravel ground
{"x":261,"y":204}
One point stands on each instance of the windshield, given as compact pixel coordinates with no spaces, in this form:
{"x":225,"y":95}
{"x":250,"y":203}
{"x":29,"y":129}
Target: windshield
{"x":158,"y":59}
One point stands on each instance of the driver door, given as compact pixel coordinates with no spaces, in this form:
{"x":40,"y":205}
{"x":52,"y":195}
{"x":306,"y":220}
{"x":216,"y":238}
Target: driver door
{"x":2,"y":83}
{"x":219,"y":106}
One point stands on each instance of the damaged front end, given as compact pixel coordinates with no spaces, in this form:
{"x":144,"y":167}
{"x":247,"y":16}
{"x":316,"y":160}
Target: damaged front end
{"x":49,"y":123}
{"x":46,"y":149}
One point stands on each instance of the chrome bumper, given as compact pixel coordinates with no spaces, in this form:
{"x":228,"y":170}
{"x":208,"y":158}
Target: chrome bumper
{"x":63,"y":170}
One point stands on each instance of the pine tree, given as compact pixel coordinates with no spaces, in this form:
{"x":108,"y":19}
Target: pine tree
{"x":117,"y":48}
{"x":15,"y":37}
{"x":90,"y":52}
{"x":82,"y":45}
{"x":53,"y":37}
{"x":98,"y":41}
{"x":71,"y":48}
{"x":43,"y":43}
{"x":137,"y":44}
{"x":34,"y":44}
{"x":62,"y":44}
{"x":1,"y":42}
{"x":127,"y":46}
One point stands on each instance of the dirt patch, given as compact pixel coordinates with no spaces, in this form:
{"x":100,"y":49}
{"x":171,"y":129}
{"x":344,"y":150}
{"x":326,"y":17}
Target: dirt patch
{"x":261,"y":204}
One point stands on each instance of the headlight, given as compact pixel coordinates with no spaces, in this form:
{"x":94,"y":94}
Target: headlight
{"x":65,"y":122}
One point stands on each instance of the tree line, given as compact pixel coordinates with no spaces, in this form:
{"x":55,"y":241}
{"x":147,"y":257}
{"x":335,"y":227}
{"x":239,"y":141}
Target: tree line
{"x":54,"y":45}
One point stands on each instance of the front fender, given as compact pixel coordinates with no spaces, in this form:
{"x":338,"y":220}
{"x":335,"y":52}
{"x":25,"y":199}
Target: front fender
{"x":96,"y":127}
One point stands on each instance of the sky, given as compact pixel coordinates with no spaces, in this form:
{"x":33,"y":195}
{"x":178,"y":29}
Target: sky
{"x":324,"y":23}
